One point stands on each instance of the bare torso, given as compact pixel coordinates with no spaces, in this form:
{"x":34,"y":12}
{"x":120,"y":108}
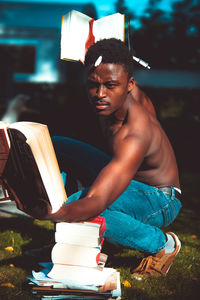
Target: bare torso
{"x":159,"y":166}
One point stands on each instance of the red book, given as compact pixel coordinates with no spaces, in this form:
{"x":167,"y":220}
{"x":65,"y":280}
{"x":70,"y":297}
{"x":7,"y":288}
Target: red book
{"x":99,"y":220}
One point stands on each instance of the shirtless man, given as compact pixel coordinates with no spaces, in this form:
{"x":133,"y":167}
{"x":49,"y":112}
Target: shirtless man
{"x":135,"y":185}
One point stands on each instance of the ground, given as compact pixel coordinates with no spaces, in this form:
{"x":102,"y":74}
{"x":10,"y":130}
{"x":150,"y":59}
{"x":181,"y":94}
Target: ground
{"x":19,"y":233}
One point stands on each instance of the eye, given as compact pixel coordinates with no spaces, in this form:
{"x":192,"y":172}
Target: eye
{"x":110,"y":85}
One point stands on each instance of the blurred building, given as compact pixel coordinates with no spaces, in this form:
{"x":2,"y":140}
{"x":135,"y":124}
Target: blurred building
{"x":30,"y":35}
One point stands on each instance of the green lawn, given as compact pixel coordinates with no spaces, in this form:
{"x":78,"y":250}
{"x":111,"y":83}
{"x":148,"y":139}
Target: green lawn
{"x":182,"y":281}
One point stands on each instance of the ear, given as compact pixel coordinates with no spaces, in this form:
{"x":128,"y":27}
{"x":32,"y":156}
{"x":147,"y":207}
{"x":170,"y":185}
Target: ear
{"x":131,"y":83}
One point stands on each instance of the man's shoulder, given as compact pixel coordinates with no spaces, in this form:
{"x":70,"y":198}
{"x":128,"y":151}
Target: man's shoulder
{"x":139,"y":119}
{"x":142,"y":126}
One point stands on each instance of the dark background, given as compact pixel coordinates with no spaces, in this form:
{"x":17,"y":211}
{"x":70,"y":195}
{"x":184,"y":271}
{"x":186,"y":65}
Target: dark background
{"x":167,"y":41}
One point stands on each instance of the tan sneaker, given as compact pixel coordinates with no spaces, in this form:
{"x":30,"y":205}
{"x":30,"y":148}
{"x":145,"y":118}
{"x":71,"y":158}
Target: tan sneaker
{"x":157,"y":264}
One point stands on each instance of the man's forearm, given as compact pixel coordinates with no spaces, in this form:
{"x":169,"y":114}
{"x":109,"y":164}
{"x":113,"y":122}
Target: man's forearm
{"x":77,"y":211}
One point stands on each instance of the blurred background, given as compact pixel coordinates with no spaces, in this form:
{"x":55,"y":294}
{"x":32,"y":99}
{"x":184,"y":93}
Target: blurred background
{"x":36,"y":85}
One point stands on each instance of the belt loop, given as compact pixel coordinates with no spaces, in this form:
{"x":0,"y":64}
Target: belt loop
{"x":172,"y":192}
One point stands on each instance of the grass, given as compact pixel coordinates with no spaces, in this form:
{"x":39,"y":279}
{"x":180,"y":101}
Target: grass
{"x":182,"y":281}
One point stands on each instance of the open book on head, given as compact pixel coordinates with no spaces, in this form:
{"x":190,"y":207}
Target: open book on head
{"x":79,"y":32}
{"x":28,"y":165}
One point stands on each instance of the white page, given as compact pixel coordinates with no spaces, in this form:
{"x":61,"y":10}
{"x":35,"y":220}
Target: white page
{"x":109,"y":27}
{"x":81,"y":275}
{"x":68,"y":254}
{"x":36,"y":135}
{"x":75,"y":30}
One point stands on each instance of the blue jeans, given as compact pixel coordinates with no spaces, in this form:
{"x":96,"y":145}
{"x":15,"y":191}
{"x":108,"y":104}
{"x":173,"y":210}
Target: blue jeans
{"x":132,"y":220}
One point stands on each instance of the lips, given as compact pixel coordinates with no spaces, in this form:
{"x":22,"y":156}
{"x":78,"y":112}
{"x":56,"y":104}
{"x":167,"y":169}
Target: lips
{"x":101,"y":105}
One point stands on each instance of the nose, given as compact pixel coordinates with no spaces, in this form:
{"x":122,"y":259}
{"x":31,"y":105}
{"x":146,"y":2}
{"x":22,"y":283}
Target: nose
{"x":101,"y":91}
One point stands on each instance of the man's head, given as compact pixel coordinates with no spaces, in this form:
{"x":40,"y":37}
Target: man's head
{"x":112,"y":51}
{"x":109,"y":83}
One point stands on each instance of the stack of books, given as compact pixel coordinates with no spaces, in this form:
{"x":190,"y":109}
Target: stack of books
{"x":30,"y":175}
{"x":78,"y":249}
{"x":78,"y":265}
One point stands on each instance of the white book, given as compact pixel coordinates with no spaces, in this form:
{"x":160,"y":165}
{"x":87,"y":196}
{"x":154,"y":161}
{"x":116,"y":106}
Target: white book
{"x":86,"y":228}
{"x":76,"y":255}
{"x":75,"y":31}
{"x":78,"y":239}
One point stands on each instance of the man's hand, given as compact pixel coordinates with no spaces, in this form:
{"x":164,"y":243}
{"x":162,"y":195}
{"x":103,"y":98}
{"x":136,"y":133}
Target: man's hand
{"x":41,"y":211}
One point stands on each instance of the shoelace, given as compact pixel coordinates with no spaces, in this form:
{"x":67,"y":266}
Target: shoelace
{"x":147,"y":264}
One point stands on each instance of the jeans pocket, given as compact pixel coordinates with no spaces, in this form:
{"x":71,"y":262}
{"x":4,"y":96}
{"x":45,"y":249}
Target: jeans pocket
{"x":164,"y":216}
{"x":157,"y":218}
{"x":170,"y":211}
{"x":167,"y":215}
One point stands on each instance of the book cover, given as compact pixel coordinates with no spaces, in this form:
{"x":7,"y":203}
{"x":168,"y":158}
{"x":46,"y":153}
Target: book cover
{"x":31,"y":170}
{"x":4,"y":146}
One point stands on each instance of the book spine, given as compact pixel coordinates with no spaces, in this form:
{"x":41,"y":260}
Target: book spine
{"x":4,"y":149}
{"x":99,"y":220}
{"x":91,"y":38}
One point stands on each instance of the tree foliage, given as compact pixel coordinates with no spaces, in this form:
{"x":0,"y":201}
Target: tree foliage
{"x":168,"y":39}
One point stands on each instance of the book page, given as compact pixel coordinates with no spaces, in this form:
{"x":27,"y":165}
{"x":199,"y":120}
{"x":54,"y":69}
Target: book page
{"x":111,"y":26}
{"x":39,"y":140}
{"x":81,"y":275}
{"x":68,"y":254}
{"x":74,"y":33}
{"x":78,"y":239}
{"x":74,"y":228}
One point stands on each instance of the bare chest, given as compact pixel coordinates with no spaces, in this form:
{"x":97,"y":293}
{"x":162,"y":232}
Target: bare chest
{"x":110,"y":133}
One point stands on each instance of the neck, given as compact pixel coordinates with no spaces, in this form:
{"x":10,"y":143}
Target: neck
{"x":120,"y":115}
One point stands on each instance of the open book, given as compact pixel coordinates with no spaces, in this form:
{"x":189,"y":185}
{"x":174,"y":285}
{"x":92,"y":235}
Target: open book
{"x":81,"y":275}
{"x":76,"y":283}
{"x":28,"y":165}
{"x":79,"y":32}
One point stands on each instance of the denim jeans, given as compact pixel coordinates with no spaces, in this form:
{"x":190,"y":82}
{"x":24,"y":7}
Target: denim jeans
{"x":132,"y":220}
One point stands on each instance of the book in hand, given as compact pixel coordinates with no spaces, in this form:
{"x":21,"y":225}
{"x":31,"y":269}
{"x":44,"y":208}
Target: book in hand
{"x":28,"y":165}
{"x":79,"y":32}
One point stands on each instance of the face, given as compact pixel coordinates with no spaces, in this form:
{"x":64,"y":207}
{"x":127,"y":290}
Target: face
{"x":108,"y":86}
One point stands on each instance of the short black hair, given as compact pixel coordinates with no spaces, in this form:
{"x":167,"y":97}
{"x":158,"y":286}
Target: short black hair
{"x":112,"y":51}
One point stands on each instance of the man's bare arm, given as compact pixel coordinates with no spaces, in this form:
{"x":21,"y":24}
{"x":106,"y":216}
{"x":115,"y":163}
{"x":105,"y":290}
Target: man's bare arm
{"x":108,"y":186}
